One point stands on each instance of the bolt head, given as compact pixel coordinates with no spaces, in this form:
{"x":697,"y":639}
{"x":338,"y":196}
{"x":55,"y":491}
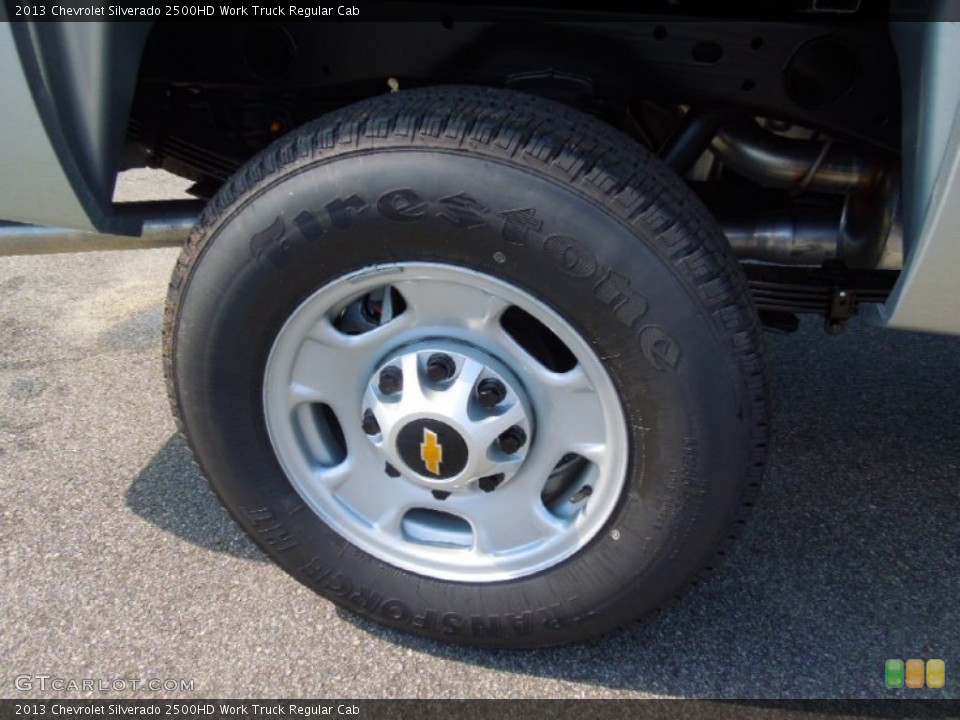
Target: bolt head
{"x":581,"y":494}
{"x":440,"y":494}
{"x":491,"y":392}
{"x":391,"y":380}
{"x":370,"y":425}
{"x":490,"y":482}
{"x":391,"y":471}
{"x":440,"y":367}
{"x":512,"y":440}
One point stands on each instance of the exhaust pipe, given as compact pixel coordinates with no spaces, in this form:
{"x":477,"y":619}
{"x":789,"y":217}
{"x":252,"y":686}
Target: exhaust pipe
{"x":163,"y":224}
{"x":778,"y":162}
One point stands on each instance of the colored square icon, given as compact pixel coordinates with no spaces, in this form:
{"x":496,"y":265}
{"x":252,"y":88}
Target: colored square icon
{"x":893,"y":673}
{"x":914,"y":674}
{"x":936,"y":673}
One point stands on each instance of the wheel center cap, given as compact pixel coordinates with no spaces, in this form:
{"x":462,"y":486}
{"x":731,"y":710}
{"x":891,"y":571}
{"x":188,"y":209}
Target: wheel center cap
{"x":447,"y":417}
{"x":432,"y":449}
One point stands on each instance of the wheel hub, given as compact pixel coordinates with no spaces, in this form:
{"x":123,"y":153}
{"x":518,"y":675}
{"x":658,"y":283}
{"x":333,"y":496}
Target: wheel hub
{"x":447,"y":417}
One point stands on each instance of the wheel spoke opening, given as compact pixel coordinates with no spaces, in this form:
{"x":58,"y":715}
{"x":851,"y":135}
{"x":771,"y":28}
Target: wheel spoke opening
{"x":320,"y":434}
{"x":369,"y":311}
{"x":436,"y":528}
{"x":539,"y":341}
{"x":569,"y":487}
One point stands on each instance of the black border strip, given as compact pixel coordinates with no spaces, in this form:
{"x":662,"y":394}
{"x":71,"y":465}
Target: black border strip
{"x":482,"y":709}
{"x":503,"y":11}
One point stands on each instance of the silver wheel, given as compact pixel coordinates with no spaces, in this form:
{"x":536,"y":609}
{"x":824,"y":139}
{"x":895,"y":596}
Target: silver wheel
{"x":427,"y":414}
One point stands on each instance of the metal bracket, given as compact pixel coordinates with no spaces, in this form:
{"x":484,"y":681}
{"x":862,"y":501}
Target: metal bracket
{"x":843,"y":304}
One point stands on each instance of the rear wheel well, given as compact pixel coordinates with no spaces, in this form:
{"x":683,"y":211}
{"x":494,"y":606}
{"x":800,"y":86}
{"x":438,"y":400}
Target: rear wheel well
{"x":827,"y":97}
{"x":211,"y":94}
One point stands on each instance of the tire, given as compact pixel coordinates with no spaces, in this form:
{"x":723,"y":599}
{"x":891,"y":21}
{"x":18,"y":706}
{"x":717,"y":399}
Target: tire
{"x":473,"y":365}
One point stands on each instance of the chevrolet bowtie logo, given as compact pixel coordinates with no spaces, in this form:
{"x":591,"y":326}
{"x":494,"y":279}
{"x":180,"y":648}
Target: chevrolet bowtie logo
{"x":431,"y":452}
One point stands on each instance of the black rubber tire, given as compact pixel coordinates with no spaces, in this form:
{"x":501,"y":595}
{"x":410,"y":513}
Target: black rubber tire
{"x":634,"y":263}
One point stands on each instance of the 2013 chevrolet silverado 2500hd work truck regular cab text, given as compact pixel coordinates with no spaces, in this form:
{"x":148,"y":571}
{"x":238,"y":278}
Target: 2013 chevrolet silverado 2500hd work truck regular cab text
{"x":467,"y":332}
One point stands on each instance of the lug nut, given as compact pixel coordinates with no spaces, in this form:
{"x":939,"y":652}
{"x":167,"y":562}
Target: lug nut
{"x":391,"y":380}
{"x":491,"y":392}
{"x":440,"y":367}
{"x":391,"y":471}
{"x":512,"y":440}
{"x":440,"y":494}
{"x":370,"y":425}
{"x":490,"y":482}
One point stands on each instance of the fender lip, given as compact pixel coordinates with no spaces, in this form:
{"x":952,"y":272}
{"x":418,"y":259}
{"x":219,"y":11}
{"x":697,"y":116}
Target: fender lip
{"x":64,"y":107}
